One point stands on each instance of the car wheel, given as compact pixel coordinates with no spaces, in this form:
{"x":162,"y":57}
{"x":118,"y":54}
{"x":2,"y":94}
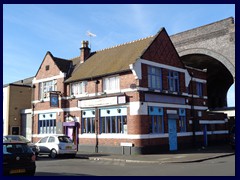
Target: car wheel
{"x":31,"y":173}
{"x":53,"y":153}
{"x":72,"y":155}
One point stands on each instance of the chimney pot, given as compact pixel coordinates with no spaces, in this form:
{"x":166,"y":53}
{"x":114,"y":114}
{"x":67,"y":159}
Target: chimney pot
{"x":84,"y":44}
{"x":85,"y":51}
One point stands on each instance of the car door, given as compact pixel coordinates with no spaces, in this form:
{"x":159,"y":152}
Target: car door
{"x":42,"y":144}
{"x":52,"y":143}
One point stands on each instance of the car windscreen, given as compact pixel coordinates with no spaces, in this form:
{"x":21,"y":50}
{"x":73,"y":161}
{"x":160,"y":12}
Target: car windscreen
{"x":64,"y":139}
{"x":16,"y":148}
{"x":18,"y":138}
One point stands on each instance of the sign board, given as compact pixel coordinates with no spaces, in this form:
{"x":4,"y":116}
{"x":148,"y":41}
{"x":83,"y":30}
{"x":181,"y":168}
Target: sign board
{"x":107,"y":101}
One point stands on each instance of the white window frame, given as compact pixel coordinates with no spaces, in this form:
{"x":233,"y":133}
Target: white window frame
{"x":77,"y":88}
{"x":46,"y":87}
{"x":111,"y":84}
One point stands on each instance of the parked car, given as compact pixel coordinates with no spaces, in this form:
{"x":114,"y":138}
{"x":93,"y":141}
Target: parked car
{"x":55,"y":145}
{"x":18,"y":158}
{"x":34,"y":148}
{"x":232,"y":137}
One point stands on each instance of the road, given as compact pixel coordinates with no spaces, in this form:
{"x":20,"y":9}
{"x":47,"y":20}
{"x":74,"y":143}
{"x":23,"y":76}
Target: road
{"x":224,"y":166}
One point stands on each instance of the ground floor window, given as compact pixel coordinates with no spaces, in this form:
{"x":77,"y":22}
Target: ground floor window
{"x":182,"y":120}
{"x":113,"y":124}
{"x":88,"y":121}
{"x":113,"y":120}
{"x":88,"y":125}
{"x":156,"y":119}
{"x":47,"y":126}
{"x":47,"y":123}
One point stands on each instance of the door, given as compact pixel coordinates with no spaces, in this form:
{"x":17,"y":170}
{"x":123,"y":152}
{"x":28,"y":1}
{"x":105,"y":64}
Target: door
{"x":205,"y":135}
{"x":70,"y":132}
{"x":172,"y":131}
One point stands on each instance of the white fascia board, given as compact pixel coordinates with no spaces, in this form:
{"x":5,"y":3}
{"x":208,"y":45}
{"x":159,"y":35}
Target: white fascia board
{"x":61,"y":75}
{"x":145,"y":136}
{"x":57,"y":110}
{"x":199,"y":80}
{"x":164,"y":66}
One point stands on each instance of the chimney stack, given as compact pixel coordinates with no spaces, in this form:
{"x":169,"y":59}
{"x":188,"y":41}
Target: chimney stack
{"x":85,"y":51}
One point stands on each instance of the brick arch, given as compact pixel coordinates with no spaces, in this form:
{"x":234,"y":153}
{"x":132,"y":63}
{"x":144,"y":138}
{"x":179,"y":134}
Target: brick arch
{"x":225,"y":61}
{"x":217,"y":85}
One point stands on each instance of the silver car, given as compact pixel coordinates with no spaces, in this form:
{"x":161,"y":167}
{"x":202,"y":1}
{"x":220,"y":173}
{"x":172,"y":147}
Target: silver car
{"x":55,"y":145}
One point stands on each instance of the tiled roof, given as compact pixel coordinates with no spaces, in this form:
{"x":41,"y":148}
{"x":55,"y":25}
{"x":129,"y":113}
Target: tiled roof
{"x":62,"y":64}
{"x":112,"y":60}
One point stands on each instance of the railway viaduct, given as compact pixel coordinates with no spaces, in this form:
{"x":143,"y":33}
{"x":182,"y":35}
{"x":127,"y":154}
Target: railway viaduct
{"x":211,"y":47}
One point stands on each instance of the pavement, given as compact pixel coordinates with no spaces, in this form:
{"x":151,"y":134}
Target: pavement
{"x":181,"y":156}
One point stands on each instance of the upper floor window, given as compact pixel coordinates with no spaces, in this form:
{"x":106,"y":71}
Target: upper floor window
{"x":77,"y":88}
{"x":173,"y":81}
{"x":46,"y":87}
{"x":154,"y":78}
{"x":111,"y":83}
{"x":199,"y":89}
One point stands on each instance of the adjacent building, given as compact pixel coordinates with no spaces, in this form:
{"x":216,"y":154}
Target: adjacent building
{"x":17,"y":96}
{"x":133,"y":98}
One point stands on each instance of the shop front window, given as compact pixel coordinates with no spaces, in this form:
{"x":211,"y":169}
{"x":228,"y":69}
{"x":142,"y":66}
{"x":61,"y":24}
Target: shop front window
{"x":156,"y":120}
{"x":182,"y":120}
{"x":113,"y":120}
{"x":47,"y":123}
{"x":88,"y":121}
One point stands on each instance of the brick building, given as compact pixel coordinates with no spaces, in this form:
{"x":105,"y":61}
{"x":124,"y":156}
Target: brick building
{"x":134,"y":98}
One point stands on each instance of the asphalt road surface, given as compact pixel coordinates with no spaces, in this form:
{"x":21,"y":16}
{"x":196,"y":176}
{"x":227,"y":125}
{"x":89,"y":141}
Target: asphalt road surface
{"x":224,"y":166}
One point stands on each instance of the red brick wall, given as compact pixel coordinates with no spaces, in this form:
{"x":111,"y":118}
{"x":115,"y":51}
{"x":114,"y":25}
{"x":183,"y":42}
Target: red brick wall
{"x":163,"y":51}
{"x":53,"y":69}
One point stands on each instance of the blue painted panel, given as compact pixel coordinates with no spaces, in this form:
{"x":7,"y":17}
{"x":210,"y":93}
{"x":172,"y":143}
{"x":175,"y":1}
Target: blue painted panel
{"x":182,"y":112}
{"x":164,"y":99}
{"x":155,"y":110}
{"x":172,"y":131}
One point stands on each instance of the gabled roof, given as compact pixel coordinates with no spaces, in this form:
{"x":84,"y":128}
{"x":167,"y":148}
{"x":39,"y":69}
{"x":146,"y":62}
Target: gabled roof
{"x":111,"y":61}
{"x":63,"y":64}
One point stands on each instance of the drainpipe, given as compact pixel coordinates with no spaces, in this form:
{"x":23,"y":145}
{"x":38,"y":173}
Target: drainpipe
{"x":192,"y":113}
{"x":33,"y":107}
{"x":96,"y":117}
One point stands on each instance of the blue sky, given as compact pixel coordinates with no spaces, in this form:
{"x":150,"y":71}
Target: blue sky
{"x":29,"y":31}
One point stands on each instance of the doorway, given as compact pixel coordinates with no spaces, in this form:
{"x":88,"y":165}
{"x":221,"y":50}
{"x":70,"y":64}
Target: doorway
{"x":172,"y":131}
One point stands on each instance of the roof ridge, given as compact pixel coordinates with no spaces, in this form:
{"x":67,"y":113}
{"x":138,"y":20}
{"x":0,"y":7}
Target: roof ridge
{"x":116,"y":46}
{"x":125,"y":43}
{"x":73,"y":58}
